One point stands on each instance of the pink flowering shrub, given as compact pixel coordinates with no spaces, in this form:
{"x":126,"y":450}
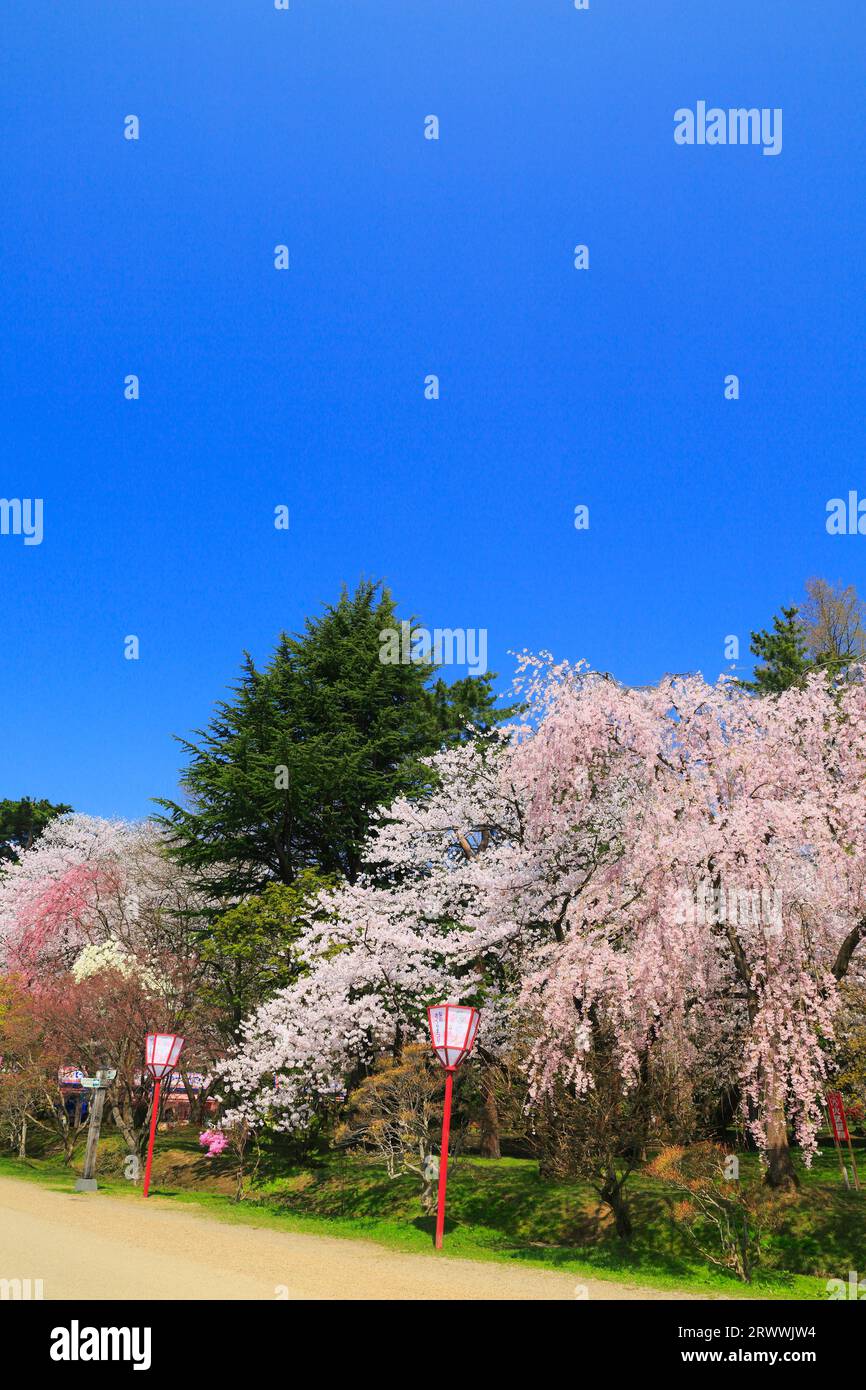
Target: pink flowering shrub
{"x":214,"y":1141}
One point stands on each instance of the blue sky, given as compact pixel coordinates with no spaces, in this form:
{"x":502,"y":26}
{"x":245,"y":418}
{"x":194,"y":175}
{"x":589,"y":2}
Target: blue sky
{"x":408,"y":257}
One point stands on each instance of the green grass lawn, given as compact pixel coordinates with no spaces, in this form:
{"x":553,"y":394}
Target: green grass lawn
{"x":498,"y":1210}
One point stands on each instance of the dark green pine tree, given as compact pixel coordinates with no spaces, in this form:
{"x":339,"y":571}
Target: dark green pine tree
{"x":22,"y":822}
{"x":784,"y":654}
{"x":291,"y":771}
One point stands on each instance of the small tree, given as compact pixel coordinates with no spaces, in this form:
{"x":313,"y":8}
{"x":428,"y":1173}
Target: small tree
{"x":834,"y":626}
{"x":30,"y":1090}
{"x":397,"y":1112}
{"x":784,"y":652}
{"x":21,"y":1094}
{"x":234,"y":1139}
{"x":251,"y":950}
{"x":723,"y":1218}
{"x":603,"y":1133}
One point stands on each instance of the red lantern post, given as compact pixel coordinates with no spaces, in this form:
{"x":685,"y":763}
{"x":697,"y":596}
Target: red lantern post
{"x":161,"y":1051}
{"x":452,"y":1033}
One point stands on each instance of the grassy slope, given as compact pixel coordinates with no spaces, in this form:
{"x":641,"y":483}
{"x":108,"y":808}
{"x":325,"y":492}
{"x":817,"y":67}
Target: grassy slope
{"x":500,"y":1211}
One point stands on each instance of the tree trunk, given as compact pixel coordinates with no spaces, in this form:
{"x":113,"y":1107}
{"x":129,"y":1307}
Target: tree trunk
{"x":22,"y":1139}
{"x":126,"y":1130}
{"x":201,"y":1106}
{"x":190,"y":1094}
{"x":67,"y":1141}
{"x":611,"y":1193}
{"x":489,"y":1117}
{"x":780,"y":1167}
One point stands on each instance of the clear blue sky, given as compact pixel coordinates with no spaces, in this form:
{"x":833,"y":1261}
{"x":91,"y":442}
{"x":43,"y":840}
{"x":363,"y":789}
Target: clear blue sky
{"x":411,"y":257}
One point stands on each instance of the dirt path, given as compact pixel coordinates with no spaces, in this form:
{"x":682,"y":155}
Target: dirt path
{"x":93,"y":1246}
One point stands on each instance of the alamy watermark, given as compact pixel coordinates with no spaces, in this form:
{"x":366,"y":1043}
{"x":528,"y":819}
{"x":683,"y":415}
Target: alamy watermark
{"x":445,"y":646}
{"x":846,"y":516}
{"x":852,"y":1288}
{"x":77,"y":1343}
{"x":21,"y":1290}
{"x":730,"y":905}
{"x":22,"y":516}
{"x":736,"y":125}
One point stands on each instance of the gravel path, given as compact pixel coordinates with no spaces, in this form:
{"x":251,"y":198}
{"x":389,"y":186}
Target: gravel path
{"x":91,"y":1246}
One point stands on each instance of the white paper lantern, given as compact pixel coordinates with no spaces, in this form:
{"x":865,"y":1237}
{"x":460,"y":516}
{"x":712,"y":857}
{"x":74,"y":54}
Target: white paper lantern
{"x":452,"y":1032}
{"x":161,"y":1051}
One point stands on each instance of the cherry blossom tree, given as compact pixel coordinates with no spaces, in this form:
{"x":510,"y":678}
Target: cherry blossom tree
{"x":459,"y":897}
{"x":680,"y":866}
{"x":63,"y":893}
{"x":762,"y":796}
{"x":92,"y":890}
{"x":104,"y":929}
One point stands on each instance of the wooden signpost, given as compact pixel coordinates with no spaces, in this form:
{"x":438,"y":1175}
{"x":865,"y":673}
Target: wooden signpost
{"x":839,"y":1123}
{"x":97,"y":1085}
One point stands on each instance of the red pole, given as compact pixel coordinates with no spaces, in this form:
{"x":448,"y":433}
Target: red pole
{"x":153,"y":1116}
{"x":443,"y":1158}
